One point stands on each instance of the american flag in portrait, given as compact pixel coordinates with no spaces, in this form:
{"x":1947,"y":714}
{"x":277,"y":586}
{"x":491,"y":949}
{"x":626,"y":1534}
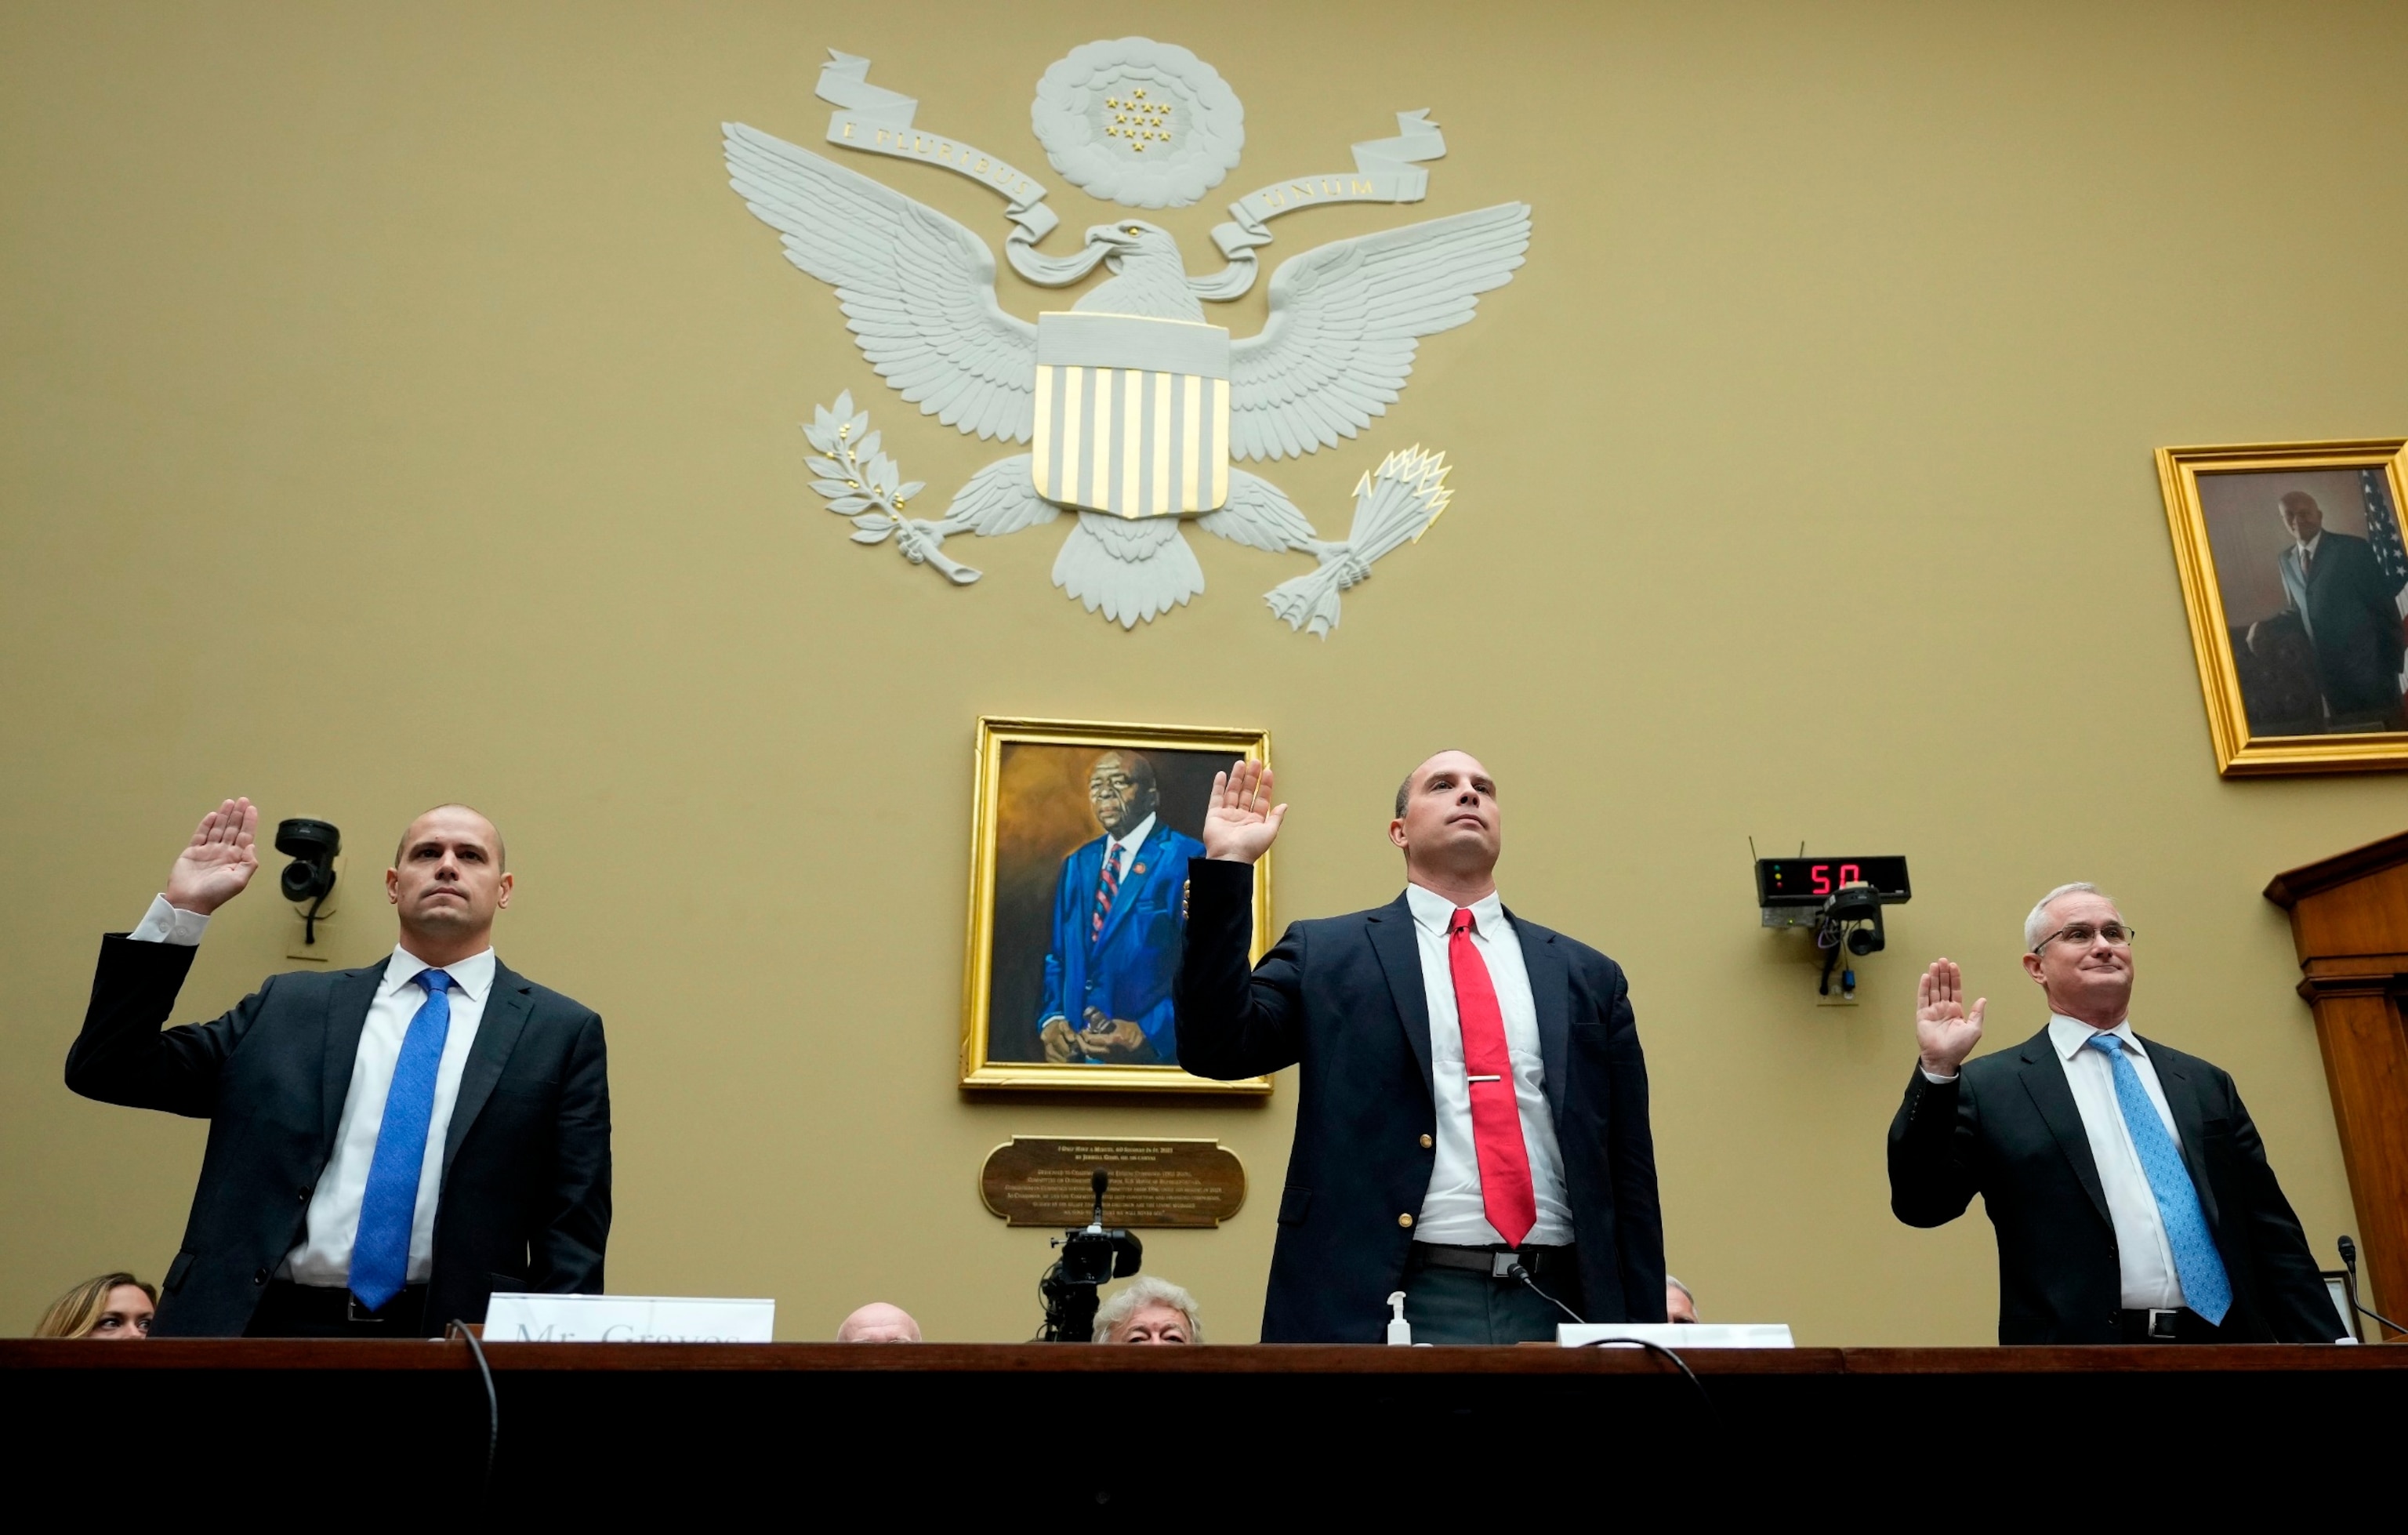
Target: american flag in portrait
{"x":2383,"y":535}
{"x":2383,"y":532}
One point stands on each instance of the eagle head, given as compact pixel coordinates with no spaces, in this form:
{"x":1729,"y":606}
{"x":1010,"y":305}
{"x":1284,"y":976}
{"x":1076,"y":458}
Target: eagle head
{"x":1134,"y":240}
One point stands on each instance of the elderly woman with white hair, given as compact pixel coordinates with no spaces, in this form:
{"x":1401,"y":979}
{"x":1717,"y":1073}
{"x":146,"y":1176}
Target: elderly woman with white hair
{"x":1150,"y":1311}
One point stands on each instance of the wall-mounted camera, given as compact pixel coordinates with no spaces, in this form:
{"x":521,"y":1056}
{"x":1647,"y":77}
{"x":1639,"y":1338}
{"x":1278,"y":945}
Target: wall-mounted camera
{"x":1838,"y":899}
{"x":309,"y":880}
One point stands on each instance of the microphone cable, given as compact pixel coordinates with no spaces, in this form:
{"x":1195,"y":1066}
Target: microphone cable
{"x":456,"y":1328}
{"x":1518,"y":1272}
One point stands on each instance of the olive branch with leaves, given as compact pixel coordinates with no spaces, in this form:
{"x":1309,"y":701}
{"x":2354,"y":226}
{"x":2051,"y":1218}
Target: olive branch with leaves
{"x":863,"y":485}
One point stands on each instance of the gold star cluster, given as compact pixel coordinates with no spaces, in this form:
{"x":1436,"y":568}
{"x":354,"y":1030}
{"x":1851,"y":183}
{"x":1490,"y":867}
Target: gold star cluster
{"x":1138,"y":122}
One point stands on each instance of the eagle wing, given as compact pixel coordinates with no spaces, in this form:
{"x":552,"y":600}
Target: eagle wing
{"x":1345,"y":320}
{"x":917,"y":287}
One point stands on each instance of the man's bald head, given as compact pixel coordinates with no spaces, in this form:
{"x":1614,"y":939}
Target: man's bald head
{"x":878,"y":1323}
{"x":446,"y":883}
{"x":1448,"y":826}
{"x":1120,"y":788}
{"x":501,"y":851}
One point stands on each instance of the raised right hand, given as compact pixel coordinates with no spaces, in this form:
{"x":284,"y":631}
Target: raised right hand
{"x":220,"y":861}
{"x":1945,"y":1032}
{"x":1239,"y":820}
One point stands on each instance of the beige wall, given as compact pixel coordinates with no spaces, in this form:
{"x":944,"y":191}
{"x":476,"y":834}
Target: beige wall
{"x":395,"y":406}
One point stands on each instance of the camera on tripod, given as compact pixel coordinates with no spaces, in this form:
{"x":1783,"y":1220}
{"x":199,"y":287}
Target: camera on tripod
{"x":1092,"y":1256}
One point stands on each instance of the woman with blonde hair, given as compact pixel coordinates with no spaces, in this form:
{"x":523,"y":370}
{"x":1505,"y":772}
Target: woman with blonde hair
{"x":113,"y":1306}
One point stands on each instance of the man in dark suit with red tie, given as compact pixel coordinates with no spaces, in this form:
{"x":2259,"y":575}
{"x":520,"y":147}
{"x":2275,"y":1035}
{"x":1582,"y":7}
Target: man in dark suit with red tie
{"x":1473,"y":1127}
{"x":388,"y":1146}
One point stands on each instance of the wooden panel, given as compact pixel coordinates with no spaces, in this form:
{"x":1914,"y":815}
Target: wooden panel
{"x":2366,"y":1070}
{"x":2349,"y":922}
{"x":2368,"y":915}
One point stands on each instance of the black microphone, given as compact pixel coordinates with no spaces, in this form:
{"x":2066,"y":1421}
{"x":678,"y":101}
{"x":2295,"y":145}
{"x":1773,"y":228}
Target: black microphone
{"x":1102,"y":1180}
{"x":2349,"y":1261}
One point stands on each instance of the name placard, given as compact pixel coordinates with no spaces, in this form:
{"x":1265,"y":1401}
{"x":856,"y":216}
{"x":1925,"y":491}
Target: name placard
{"x":1043,"y":1180}
{"x":518,"y":1318}
{"x":1678,"y":1335}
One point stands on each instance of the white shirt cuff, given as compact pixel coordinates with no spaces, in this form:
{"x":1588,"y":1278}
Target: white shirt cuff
{"x":1928,"y":1073}
{"x":165,"y":924}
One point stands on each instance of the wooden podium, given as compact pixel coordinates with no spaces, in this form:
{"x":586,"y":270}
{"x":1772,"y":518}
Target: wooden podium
{"x":2349,"y":920}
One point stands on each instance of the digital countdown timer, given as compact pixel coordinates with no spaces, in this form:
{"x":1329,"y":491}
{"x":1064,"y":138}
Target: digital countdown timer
{"x":1810,"y":882}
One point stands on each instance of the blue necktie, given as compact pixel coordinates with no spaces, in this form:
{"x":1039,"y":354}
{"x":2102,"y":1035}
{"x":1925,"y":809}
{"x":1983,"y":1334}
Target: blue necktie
{"x":380,"y":1250}
{"x":2206,"y":1288}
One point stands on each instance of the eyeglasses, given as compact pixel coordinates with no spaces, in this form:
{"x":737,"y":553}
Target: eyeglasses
{"x":2082,"y":935}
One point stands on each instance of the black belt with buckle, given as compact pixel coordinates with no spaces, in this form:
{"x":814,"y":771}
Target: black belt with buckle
{"x":1496,"y":1262}
{"x":324,"y":1303}
{"x":2167,"y":1324}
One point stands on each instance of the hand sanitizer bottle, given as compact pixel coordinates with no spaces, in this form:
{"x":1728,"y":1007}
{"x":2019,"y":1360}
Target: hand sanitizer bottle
{"x":1400,"y":1332}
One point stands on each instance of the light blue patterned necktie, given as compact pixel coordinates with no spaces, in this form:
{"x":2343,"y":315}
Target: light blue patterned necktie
{"x":2207,"y":1289}
{"x":381,"y":1249}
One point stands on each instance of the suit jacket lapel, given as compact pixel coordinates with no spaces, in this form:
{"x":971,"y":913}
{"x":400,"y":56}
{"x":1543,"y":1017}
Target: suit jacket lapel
{"x":1392,"y":939}
{"x":347,"y":1017}
{"x":497,"y":1033}
{"x":2044,"y":1077}
{"x":1551,"y":992}
{"x":2174,"y":1079}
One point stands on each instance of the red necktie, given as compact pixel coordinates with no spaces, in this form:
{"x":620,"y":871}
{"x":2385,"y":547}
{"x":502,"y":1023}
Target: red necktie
{"x":1505,"y":1190}
{"x":1108,"y":888}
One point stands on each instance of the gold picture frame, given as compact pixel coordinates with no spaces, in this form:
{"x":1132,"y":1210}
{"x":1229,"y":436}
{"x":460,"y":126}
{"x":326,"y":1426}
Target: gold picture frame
{"x":1044,"y":941}
{"x":2269,"y":682}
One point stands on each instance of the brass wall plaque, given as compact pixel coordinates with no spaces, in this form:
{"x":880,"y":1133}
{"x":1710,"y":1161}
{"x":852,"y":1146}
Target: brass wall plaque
{"x":1041,"y":1180}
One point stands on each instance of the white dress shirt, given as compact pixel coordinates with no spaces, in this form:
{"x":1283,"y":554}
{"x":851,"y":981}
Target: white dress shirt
{"x":1453,"y":1211}
{"x":1121,"y":850}
{"x":2141,"y":1251}
{"x":324,"y":1257}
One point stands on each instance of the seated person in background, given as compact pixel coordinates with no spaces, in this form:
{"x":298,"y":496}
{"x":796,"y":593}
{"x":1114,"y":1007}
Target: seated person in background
{"x":1150,"y":1311}
{"x":1679,"y":1304}
{"x":2129,"y":1191}
{"x":878,"y":1323}
{"x":114,"y":1306}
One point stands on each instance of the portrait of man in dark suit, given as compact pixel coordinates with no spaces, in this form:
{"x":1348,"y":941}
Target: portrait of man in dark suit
{"x":2349,"y":609}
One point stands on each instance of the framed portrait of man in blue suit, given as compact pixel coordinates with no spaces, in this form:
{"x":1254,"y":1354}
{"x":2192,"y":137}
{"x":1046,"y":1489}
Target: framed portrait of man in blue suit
{"x":1082,"y":837}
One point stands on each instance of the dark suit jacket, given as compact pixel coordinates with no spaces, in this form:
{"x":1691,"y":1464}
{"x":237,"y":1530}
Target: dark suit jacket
{"x":2353,"y":615}
{"x":1343,"y":995}
{"x":526,"y":1163}
{"x":2008,"y":1129}
{"x":1126,"y":969}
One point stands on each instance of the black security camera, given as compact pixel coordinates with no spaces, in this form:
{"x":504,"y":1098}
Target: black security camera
{"x":310,"y":876}
{"x":1852,"y":919}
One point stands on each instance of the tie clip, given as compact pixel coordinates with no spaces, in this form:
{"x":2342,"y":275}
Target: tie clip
{"x":1484,"y":1078}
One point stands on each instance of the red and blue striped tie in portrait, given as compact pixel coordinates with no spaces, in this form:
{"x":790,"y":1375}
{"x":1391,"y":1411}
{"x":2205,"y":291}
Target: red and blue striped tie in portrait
{"x":1106,"y":888}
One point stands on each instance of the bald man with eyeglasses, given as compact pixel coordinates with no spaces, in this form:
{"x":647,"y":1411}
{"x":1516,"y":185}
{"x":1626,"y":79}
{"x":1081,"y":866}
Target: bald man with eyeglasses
{"x":2130,"y":1194}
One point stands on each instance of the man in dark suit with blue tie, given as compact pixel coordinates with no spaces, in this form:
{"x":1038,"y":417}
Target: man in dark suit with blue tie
{"x":1472,"y":1128}
{"x":388,"y":1146}
{"x":2129,"y":1190}
{"x":2351,"y":611}
{"x":1118,"y":910}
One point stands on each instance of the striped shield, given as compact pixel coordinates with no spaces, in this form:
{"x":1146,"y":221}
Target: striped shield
{"x":1132,"y":414}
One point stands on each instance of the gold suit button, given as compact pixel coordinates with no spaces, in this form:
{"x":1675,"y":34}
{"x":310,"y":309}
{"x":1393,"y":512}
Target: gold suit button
{"x":1404,"y":1220}
{"x":1425,"y":1142}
